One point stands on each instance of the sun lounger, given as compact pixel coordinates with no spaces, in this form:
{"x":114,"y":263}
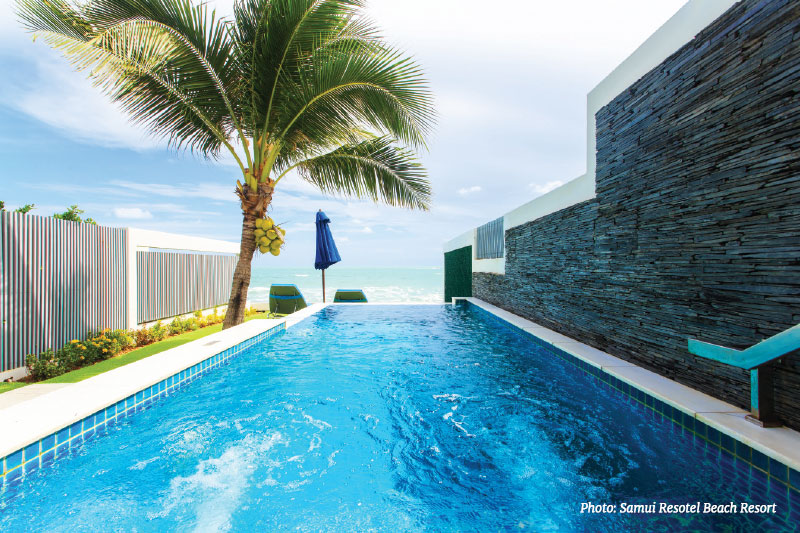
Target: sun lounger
{"x":285,"y":298}
{"x":350,"y":296}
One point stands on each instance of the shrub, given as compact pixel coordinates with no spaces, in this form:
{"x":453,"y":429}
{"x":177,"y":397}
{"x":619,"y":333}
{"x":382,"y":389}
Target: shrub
{"x":100,"y":346}
{"x":177,"y":326}
{"x":200,"y":319}
{"x":107,"y":343}
{"x":158,"y":331}
{"x":214,"y":318}
{"x":143,"y":337}
{"x":73,"y":355}
{"x":44,"y":366}
{"x":123,"y":339}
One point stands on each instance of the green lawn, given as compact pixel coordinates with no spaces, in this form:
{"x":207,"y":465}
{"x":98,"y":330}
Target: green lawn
{"x":4,"y":387}
{"x":130,"y":357}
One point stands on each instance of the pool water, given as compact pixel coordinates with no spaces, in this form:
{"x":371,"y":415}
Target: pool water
{"x":386,"y":418}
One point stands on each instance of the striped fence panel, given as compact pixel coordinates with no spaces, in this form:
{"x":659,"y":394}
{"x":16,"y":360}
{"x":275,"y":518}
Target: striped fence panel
{"x":490,"y":240}
{"x":175,"y":283}
{"x":58,"y":280}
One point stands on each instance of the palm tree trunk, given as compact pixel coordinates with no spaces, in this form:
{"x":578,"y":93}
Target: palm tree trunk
{"x":241,"y":276}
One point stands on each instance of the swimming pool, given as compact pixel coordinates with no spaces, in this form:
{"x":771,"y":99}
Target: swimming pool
{"x":388,"y":418}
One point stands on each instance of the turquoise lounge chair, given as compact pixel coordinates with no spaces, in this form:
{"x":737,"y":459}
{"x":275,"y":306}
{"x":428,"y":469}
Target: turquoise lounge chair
{"x":285,"y":298}
{"x":351,"y":296}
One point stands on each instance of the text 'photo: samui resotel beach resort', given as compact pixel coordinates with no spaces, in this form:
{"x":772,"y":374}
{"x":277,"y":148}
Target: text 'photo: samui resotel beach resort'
{"x":399,"y":265}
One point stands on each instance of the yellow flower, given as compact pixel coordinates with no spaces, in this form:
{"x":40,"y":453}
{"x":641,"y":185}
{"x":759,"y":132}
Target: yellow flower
{"x":105,"y":350}
{"x":73,"y":341}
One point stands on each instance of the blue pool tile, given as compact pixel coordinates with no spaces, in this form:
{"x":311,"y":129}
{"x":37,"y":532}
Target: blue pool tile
{"x":779,"y":493}
{"x":31,"y":466}
{"x":31,"y":451}
{"x":760,"y":460}
{"x":62,"y":436}
{"x":14,"y":460}
{"x":139,"y":396}
{"x":76,"y":429}
{"x":62,"y":450}
{"x":743,"y":451}
{"x":111,"y":411}
{"x":688,"y":422}
{"x":120,"y":407}
{"x":778,"y":471}
{"x":758,"y":481}
{"x":13,"y":475}
{"x":794,"y":478}
{"x":48,"y":457}
{"x":700,"y":429}
{"x":713,"y":435}
{"x":794,"y":499}
{"x":726,"y":441}
{"x":48,"y":442}
{"x":727,"y":454}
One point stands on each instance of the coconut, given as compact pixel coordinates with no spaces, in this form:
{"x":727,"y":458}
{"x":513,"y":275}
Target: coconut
{"x":275,"y":244}
{"x":271,"y":234}
{"x":275,"y":251}
{"x":268,"y":223}
{"x":264,"y":248}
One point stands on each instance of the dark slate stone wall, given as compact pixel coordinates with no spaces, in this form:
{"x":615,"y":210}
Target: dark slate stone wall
{"x":458,"y":273}
{"x":695,"y":230}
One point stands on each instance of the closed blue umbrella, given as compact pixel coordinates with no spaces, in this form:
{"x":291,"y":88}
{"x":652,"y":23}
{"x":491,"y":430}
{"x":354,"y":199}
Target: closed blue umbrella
{"x":327,"y":254}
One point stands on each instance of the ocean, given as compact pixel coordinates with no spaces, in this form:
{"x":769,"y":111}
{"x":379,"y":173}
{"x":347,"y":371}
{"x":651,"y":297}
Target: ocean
{"x":380,"y":284}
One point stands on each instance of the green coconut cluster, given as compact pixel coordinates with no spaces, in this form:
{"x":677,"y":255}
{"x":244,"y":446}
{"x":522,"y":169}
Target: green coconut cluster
{"x":269,"y":236}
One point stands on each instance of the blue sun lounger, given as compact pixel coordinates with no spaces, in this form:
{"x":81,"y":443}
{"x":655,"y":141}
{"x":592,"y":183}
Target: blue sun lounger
{"x":285,"y":298}
{"x":350,"y":296}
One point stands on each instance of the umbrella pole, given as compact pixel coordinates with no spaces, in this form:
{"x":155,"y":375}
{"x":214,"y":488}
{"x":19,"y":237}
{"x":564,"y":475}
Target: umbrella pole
{"x":323,"y":285}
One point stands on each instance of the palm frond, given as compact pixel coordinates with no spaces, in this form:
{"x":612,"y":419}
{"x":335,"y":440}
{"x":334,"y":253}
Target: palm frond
{"x":275,"y":38}
{"x":352,"y":86}
{"x":373,"y":169}
{"x":164,"y":62}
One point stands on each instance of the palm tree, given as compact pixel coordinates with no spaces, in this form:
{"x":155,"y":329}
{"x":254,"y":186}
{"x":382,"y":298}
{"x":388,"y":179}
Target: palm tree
{"x":303,"y":85}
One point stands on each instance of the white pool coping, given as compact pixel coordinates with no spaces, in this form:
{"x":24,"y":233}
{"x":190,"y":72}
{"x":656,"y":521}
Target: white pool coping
{"x":24,"y":423}
{"x":782,"y":444}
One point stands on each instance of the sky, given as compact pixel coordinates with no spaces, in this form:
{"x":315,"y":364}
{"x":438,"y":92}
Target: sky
{"x":509,"y":79}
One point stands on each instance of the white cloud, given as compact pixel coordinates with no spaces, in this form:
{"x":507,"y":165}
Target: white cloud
{"x":469,"y":190}
{"x":544,"y":188}
{"x":64,"y":99}
{"x":132,"y":213}
{"x":211,"y":191}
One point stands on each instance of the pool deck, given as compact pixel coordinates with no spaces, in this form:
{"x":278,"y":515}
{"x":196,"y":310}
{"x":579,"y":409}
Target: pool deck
{"x":779,"y":443}
{"x":34,"y":412}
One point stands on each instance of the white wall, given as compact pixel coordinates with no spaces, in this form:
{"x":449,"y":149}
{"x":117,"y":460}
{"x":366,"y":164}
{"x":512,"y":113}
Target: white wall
{"x":676,"y":32}
{"x":142,"y":239}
